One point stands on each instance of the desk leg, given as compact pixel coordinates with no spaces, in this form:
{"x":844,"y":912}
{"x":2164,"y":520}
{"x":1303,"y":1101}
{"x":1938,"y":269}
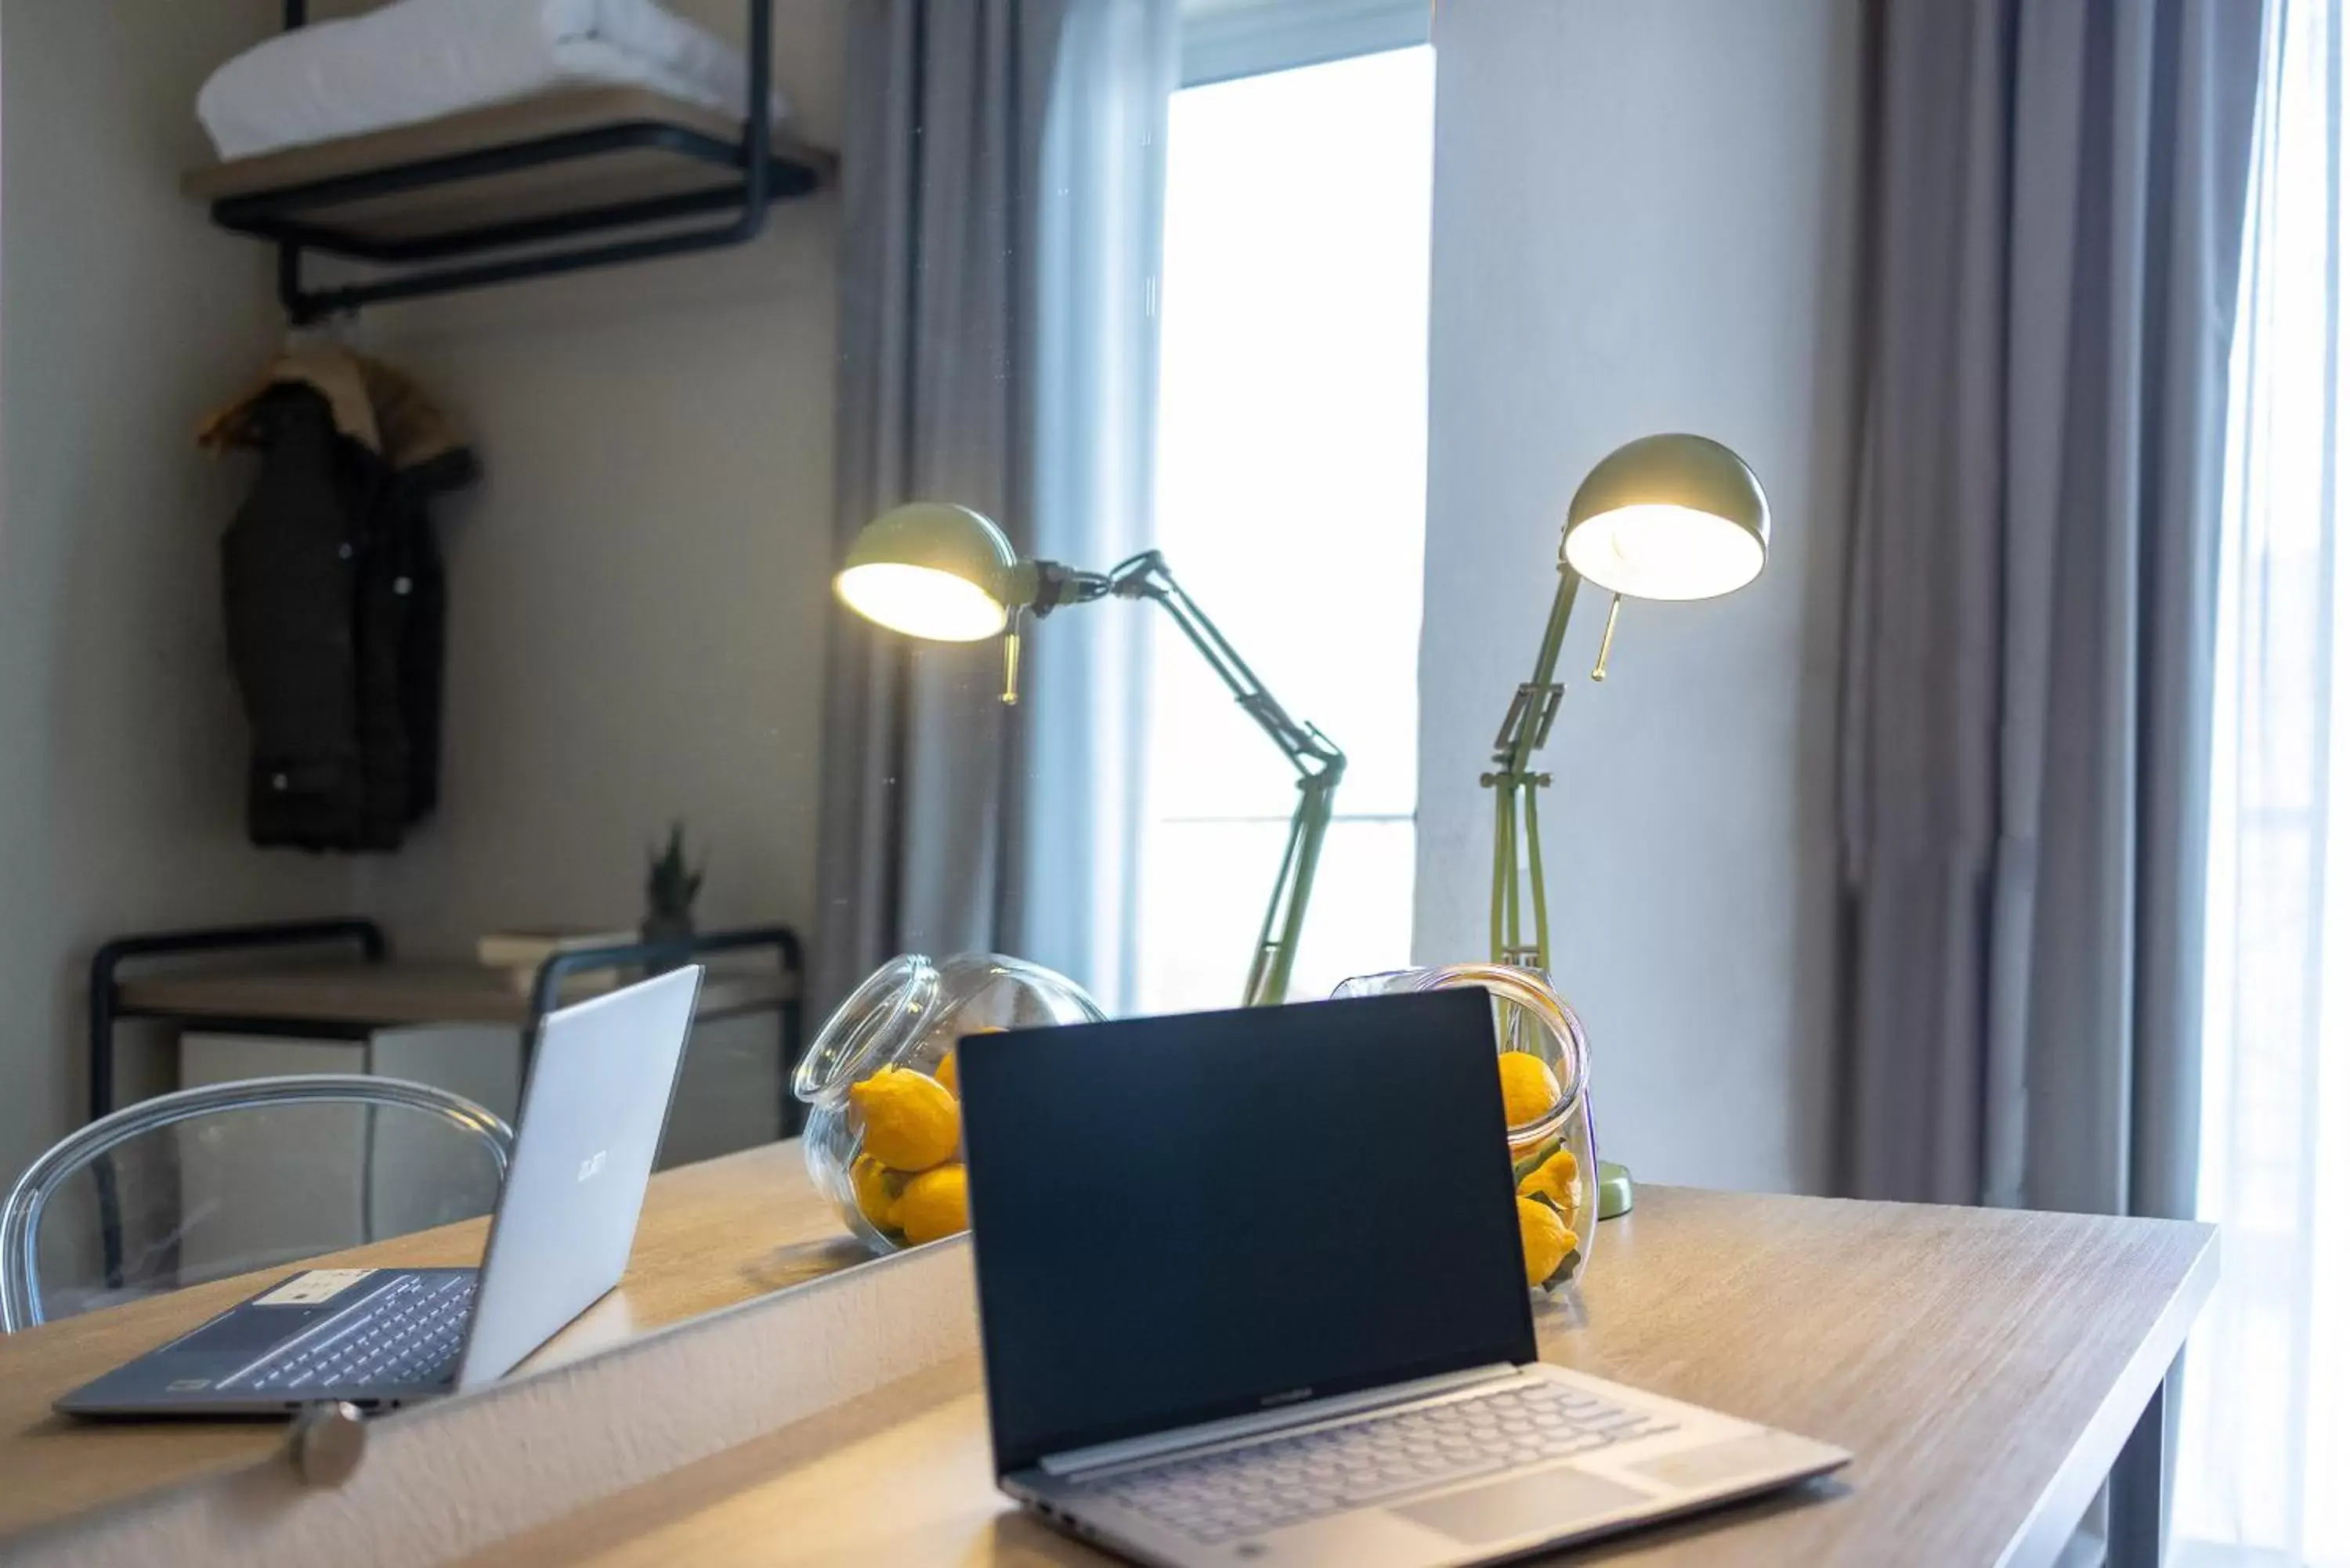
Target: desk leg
{"x":789,"y":1061}
{"x":101,"y":1103}
{"x":2139,"y":1503}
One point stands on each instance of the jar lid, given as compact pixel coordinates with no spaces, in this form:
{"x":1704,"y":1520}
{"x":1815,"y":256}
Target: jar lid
{"x":879,"y":1019}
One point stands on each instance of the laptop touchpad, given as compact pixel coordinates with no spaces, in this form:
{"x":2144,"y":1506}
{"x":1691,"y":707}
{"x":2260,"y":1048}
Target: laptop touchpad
{"x":1523,"y":1505}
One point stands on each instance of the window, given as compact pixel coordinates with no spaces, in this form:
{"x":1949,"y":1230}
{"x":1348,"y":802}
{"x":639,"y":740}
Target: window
{"x":2265,"y":1427}
{"x":1291,"y":504}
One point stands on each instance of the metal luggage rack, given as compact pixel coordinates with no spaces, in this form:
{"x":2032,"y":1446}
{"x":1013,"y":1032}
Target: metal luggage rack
{"x":761,"y":173}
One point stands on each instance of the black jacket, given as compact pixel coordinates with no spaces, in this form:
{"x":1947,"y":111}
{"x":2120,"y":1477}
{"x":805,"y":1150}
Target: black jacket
{"x":336,"y":605}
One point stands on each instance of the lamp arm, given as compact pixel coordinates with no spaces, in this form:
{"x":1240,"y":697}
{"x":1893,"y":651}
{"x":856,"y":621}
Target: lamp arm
{"x":1525,"y":729}
{"x":1146,"y":576}
{"x":1320,"y":766}
{"x":1285,"y":913}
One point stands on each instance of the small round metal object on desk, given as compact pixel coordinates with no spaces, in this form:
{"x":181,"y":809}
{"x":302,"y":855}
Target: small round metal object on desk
{"x":326,"y":1442}
{"x":1615,"y":1190}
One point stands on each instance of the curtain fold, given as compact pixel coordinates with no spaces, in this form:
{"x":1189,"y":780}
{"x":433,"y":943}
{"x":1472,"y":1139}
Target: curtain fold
{"x":1076,"y":845}
{"x":2054,"y":239}
{"x":995,"y":159}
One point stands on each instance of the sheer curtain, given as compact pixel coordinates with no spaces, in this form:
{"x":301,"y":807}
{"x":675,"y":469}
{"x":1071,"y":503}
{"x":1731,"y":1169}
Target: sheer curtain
{"x":2264,"y":1461}
{"x":1002,"y":163}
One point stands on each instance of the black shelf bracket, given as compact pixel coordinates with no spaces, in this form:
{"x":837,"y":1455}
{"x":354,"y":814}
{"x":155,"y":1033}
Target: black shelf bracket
{"x":758,"y":177}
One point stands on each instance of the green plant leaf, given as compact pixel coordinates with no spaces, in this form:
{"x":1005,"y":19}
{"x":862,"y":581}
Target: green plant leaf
{"x":1566,"y":1270}
{"x":1533,"y":1162}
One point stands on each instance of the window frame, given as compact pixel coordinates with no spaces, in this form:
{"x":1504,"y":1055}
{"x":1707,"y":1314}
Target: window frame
{"x":1223,"y":40}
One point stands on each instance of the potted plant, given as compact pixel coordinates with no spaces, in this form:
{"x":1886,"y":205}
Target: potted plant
{"x":671,"y":884}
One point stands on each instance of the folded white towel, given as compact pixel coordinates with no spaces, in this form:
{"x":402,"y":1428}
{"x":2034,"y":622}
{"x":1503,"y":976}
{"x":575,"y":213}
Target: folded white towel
{"x":415,"y":60}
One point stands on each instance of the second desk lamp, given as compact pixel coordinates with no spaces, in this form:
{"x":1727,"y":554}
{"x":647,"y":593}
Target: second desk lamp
{"x":947,"y":574}
{"x":1664,"y":517}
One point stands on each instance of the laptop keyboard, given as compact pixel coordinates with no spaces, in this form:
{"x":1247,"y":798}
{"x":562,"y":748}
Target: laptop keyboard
{"x":1282,"y":1481}
{"x":409,"y":1335}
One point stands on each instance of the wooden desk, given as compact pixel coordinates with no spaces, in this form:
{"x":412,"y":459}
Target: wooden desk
{"x":712,"y":1234}
{"x":346,"y":996}
{"x":352,"y":1000}
{"x":1986,"y":1367}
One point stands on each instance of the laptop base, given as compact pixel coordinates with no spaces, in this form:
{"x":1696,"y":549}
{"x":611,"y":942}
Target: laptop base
{"x":197,"y":1376}
{"x":1680,"y":1460}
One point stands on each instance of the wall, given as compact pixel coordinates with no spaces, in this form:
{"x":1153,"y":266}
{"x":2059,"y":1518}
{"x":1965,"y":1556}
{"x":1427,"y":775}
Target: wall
{"x":640,"y":587}
{"x":1644,"y":221}
{"x":123,"y":318}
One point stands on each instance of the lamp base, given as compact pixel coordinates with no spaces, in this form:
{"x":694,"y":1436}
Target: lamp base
{"x":1615,"y":1190}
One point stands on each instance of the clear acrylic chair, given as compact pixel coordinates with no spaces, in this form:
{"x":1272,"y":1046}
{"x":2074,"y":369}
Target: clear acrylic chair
{"x":230,"y":1178}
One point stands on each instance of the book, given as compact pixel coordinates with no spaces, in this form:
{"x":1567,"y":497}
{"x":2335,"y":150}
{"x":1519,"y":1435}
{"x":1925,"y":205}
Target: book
{"x":526,"y":948}
{"x":575,"y":987}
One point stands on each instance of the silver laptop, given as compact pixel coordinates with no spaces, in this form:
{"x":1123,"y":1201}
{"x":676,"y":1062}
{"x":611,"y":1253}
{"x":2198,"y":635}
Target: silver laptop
{"x":592,"y":1114}
{"x":1250,"y":1292}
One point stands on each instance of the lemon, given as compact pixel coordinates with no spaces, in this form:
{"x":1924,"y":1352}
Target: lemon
{"x":1555,"y":1178}
{"x":911,"y":1122}
{"x":936,"y":1204}
{"x":1529,"y":1088}
{"x":878,"y":1188}
{"x":1543,"y":1234}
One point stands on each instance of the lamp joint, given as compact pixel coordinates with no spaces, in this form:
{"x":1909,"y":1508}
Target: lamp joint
{"x":1058,"y":585}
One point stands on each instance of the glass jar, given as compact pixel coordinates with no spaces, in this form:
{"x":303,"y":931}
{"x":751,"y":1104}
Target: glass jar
{"x":1545,"y":1073}
{"x":884,"y":1134}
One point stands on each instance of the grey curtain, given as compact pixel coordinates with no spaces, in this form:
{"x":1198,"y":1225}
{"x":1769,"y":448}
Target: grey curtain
{"x":2057,"y":208}
{"x":996,"y":351}
{"x":1074,"y":847}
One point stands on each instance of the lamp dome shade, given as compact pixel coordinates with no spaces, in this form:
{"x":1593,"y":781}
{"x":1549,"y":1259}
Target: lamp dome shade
{"x":1670,"y":517}
{"x":932,"y":570}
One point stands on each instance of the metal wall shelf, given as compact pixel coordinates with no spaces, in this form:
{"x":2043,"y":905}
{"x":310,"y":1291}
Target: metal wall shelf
{"x":594,"y":177}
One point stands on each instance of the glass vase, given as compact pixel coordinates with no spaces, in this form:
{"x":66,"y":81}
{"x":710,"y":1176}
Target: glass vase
{"x":1545,"y":1060}
{"x":884,"y":1134}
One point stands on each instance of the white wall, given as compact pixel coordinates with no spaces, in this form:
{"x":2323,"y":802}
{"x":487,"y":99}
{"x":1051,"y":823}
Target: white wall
{"x":1644,"y":221}
{"x":638,"y":588}
{"x":123,"y":318}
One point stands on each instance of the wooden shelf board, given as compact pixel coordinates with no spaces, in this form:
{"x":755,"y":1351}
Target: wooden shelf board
{"x":572,"y":185}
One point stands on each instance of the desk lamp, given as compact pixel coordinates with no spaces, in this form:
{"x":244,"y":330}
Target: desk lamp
{"x":948,"y":574}
{"x":1664,"y":517}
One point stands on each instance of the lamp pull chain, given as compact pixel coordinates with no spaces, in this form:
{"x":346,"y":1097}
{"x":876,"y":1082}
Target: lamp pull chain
{"x":1012,"y":661}
{"x":1608,"y":639}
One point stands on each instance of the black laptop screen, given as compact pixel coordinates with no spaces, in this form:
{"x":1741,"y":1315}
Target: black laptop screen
{"x":1183,"y":1218}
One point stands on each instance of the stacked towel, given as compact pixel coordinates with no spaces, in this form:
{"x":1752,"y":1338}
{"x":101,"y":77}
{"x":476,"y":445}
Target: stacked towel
{"x":416,"y":60}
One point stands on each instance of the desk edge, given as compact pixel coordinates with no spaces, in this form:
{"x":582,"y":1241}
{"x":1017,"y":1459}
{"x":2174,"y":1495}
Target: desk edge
{"x":2052,"y":1518}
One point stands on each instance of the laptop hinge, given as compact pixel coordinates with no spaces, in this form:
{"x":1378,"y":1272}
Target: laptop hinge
{"x":1286,"y":1418}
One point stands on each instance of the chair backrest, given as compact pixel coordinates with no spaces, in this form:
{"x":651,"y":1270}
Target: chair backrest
{"x":96,"y":1146}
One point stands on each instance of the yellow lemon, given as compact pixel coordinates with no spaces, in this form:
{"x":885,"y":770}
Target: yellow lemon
{"x":936,"y":1204}
{"x":1529,"y":1088}
{"x":912,"y":1123}
{"x":1543,"y":1234}
{"x":1555,"y":1178}
{"x":878,"y":1188}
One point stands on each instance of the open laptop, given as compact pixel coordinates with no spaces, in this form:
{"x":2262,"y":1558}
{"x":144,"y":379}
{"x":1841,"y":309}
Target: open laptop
{"x":592,"y":1114}
{"x":1250,"y":1292}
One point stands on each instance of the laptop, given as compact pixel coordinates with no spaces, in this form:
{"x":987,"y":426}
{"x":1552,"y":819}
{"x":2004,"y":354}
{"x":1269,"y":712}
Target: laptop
{"x":592,"y":1114}
{"x":1250,"y":1292}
